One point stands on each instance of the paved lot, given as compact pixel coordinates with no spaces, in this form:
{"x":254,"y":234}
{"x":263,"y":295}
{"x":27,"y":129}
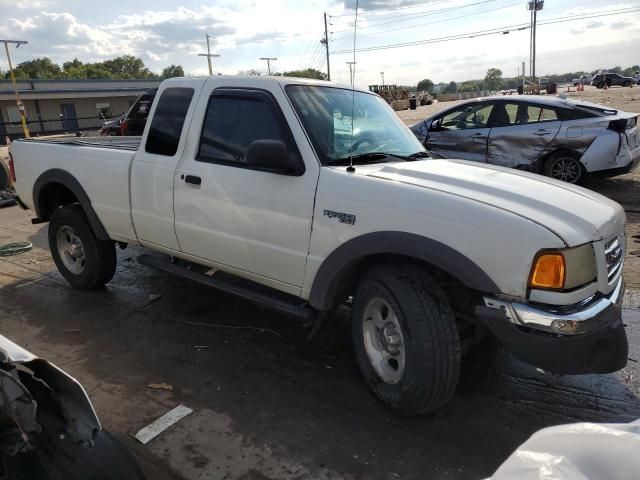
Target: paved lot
{"x":268,"y":405}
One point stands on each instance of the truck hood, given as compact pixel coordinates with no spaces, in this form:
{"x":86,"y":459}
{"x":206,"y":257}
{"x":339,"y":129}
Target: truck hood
{"x":574,"y":214}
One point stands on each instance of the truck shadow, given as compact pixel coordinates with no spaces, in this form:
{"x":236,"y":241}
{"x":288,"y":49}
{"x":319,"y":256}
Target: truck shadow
{"x":307,"y":401}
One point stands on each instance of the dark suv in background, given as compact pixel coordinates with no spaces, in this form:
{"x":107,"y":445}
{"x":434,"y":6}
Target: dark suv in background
{"x":131,"y":123}
{"x":599,"y":80}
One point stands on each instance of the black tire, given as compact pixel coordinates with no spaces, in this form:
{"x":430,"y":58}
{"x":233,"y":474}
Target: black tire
{"x":4,"y":177}
{"x":552,"y":167}
{"x":429,"y":335}
{"x":600,"y":85}
{"x":626,"y":84}
{"x":99,"y":256}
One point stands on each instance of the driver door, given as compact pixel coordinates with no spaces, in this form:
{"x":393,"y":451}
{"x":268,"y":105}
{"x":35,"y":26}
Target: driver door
{"x":462,"y":132}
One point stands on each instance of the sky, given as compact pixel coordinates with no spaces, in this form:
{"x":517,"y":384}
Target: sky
{"x":164,"y":32}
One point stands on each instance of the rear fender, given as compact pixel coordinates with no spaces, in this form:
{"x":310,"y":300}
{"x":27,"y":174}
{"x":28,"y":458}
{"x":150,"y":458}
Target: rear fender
{"x":64,"y":178}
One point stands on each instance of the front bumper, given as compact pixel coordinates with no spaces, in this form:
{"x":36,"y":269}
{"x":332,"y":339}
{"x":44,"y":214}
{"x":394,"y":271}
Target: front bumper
{"x":587,"y":338}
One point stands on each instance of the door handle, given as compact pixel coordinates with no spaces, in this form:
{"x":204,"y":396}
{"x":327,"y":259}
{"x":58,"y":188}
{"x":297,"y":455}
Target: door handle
{"x":478,"y":135}
{"x":193,"y":179}
{"x":541,"y":133}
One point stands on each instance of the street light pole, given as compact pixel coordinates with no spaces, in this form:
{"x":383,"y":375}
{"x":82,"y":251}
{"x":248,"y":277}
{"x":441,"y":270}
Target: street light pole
{"x":209,"y":55}
{"x":382,"y":74}
{"x":268,"y":59}
{"x":19,"y":103}
{"x":534,"y":6}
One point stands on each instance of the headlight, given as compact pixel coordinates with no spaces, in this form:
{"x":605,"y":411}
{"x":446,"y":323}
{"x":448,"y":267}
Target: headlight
{"x":563,"y":269}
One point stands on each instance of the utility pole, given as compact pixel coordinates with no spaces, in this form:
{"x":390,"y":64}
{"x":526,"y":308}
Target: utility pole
{"x":269,"y":60}
{"x":351,"y":68}
{"x":534,"y":6}
{"x":382,"y":74}
{"x":19,"y":104}
{"x":209,"y":55}
{"x":325,"y":42}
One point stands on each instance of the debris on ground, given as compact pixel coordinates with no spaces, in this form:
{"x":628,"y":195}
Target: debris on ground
{"x":161,"y":386}
{"x":7,"y":198}
{"x":158,"y":426}
{"x":15,"y":248}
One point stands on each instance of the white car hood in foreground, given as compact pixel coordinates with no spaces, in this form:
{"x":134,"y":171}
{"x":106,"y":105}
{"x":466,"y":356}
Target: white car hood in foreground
{"x":575,"y":214}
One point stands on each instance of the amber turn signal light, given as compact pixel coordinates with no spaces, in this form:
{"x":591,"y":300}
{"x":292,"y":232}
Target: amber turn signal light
{"x":548,"y":271}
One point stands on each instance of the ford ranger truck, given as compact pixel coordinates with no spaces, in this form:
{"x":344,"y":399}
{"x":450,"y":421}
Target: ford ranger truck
{"x":308,"y":195}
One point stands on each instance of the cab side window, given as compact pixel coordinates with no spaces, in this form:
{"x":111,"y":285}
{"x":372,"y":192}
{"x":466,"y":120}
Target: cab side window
{"x":166,"y":126}
{"x":232,"y":123}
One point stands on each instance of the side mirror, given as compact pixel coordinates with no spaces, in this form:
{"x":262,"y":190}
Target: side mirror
{"x":436,"y":124}
{"x":272,"y":156}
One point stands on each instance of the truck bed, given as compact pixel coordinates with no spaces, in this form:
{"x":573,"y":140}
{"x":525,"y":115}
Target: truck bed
{"x":99,"y":164}
{"x":120,"y":143}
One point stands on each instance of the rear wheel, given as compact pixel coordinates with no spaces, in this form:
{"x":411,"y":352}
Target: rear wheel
{"x":626,"y":84}
{"x":406,"y":339}
{"x":83,"y":260}
{"x":564,"y":166}
{"x":600,"y":85}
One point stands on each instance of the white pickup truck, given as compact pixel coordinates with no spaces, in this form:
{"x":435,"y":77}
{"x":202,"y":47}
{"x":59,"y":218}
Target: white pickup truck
{"x":305,"y":196}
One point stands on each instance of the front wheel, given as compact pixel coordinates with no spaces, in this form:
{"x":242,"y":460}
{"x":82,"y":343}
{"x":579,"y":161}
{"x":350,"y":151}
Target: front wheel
{"x":406,"y":339}
{"x":564,"y":166}
{"x":83,"y":260}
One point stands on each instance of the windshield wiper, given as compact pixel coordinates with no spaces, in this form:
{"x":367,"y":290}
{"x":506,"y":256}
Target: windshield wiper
{"x":372,"y":157}
{"x":418,"y":155}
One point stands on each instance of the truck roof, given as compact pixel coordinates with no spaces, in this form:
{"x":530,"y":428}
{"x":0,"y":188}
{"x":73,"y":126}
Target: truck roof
{"x":258,"y":79}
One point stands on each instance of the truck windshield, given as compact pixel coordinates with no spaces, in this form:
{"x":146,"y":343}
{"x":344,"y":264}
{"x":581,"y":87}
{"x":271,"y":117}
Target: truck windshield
{"x":328,"y":114}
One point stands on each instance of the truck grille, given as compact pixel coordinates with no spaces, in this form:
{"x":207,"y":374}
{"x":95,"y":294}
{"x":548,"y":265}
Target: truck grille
{"x":614,"y":256}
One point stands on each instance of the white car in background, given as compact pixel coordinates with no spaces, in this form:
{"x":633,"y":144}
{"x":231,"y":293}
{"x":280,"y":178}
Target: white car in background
{"x":555,"y":136}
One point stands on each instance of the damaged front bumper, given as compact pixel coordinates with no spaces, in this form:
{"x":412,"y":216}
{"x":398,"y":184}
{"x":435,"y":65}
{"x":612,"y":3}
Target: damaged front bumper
{"x":585,"y":338}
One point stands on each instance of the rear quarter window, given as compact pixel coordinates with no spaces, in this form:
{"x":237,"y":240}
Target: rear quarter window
{"x":168,"y":120}
{"x":566,"y":114}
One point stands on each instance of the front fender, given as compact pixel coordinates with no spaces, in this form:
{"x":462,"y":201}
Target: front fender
{"x":329,"y":280}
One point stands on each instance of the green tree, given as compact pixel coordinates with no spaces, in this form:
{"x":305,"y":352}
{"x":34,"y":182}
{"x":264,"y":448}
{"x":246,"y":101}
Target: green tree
{"x":41,"y":68}
{"x":128,"y":67}
{"x":451,"y":88}
{"x":493,"y":79}
{"x":469,"y":86}
{"x":425,"y":85}
{"x":172,"y":71}
{"x":308,"y":73}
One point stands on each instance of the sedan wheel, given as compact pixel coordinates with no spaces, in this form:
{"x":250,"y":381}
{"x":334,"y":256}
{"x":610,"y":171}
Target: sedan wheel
{"x":564,"y":167}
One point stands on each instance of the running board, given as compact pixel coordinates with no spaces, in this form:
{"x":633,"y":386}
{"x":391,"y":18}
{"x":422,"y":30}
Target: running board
{"x":225,"y":282}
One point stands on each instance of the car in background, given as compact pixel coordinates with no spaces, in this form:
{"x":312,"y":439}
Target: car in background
{"x":131,"y":123}
{"x":555,"y":136}
{"x":582,"y":80}
{"x":599,"y":80}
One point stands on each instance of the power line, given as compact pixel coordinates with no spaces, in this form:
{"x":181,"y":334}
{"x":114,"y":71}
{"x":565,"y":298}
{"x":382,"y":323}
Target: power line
{"x":419,"y":15}
{"x":492,"y":31}
{"x":304,"y":55}
{"x":435,"y":21}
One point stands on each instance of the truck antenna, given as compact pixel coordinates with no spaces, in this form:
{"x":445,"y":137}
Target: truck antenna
{"x":350,"y":168}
